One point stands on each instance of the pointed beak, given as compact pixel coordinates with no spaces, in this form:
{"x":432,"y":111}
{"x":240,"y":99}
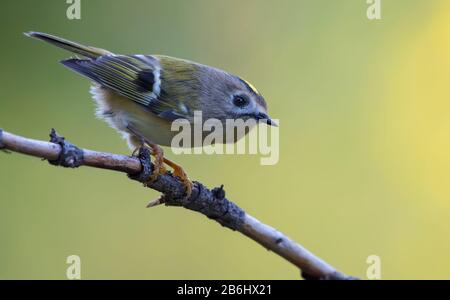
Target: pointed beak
{"x":262,"y":117}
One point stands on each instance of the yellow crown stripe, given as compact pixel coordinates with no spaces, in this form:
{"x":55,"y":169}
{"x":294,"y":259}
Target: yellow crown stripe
{"x":251,"y":86}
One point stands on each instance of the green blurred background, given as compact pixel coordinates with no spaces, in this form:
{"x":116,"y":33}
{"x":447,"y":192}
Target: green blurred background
{"x":364,"y":153}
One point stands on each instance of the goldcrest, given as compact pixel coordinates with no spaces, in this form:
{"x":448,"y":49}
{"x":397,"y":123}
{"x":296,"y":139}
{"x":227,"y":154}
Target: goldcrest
{"x":140,"y":95}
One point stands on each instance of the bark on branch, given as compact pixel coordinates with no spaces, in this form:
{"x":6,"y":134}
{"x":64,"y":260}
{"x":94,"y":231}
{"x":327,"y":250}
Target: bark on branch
{"x":211,"y":203}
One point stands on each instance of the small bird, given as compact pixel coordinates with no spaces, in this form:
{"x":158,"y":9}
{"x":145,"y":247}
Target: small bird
{"x":141,"y":95}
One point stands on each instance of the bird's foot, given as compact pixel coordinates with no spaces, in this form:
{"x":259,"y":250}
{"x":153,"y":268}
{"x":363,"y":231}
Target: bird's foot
{"x":144,"y":152}
{"x":179,"y":172}
{"x":160,"y":160}
{"x":158,"y":164}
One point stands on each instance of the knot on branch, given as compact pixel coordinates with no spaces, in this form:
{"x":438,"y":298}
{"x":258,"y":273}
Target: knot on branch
{"x":70,"y":155}
{"x":218,"y":192}
{"x":213,"y":204}
{"x":146,"y":165}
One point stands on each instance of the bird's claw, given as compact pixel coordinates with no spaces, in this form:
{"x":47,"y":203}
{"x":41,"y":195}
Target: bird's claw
{"x":143,"y":153}
{"x":148,"y":174}
{"x":181,"y":174}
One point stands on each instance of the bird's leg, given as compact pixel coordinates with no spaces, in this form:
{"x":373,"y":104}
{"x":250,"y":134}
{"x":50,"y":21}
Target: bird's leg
{"x":158,"y":164}
{"x":160,"y":160}
{"x":156,"y":151}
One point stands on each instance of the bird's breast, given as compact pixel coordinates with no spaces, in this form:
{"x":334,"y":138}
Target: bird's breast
{"x":120,"y":112}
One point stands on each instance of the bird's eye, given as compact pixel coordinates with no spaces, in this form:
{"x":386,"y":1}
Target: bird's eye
{"x":240,"y":101}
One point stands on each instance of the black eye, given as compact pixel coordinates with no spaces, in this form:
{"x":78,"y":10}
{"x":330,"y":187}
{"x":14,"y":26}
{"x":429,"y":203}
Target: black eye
{"x":240,"y":101}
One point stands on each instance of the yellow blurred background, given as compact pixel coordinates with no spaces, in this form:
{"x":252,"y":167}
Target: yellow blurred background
{"x":364,"y":152}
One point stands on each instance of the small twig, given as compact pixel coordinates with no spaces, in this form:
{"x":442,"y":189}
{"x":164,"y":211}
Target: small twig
{"x":211,"y":203}
{"x":160,"y":200}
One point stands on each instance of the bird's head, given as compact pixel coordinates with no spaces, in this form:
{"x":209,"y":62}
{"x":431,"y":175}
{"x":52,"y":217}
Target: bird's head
{"x":227,"y":96}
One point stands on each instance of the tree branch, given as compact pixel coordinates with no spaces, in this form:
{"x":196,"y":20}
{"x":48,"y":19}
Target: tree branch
{"x":211,"y":203}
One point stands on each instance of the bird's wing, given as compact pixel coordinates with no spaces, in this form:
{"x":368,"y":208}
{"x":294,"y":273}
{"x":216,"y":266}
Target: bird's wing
{"x":134,"y":77}
{"x":87,"y":51}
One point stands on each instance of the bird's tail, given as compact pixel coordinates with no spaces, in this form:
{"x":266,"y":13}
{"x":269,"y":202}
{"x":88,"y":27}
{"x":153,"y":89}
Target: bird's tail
{"x":86,"y":51}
